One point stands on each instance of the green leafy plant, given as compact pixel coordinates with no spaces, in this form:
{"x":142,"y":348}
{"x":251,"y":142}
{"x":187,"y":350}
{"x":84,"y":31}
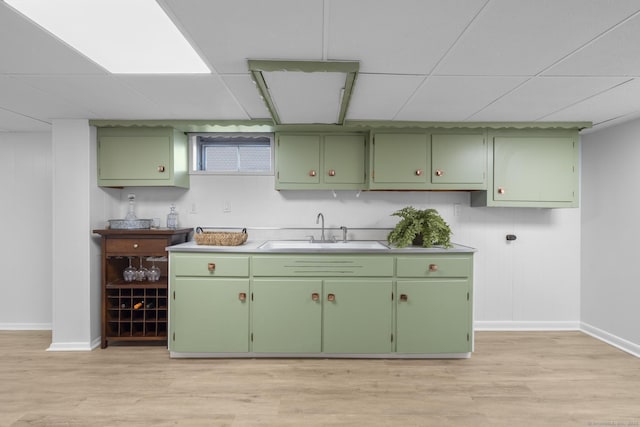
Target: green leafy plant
{"x":416,"y":223}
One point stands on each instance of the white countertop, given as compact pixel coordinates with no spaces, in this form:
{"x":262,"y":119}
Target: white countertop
{"x":252,"y":246}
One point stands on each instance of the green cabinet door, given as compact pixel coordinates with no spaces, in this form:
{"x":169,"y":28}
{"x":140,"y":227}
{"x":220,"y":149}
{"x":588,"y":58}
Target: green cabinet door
{"x":433,"y":316}
{"x":344,"y":159}
{"x":298,"y":159}
{"x":209,"y":315}
{"x":534,"y":168}
{"x":459,"y":161}
{"x":400,"y":161}
{"x":142,"y":157}
{"x":286,"y":315}
{"x":357,"y":316}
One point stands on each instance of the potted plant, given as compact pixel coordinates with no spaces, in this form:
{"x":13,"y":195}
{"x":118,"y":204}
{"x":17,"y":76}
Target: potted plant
{"x":417,"y":227}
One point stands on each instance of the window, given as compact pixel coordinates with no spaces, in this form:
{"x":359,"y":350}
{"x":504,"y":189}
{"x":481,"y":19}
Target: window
{"x":232,"y":153}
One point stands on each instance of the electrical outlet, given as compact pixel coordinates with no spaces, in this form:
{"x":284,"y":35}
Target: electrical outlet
{"x":457,"y":209}
{"x":194,"y":208}
{"x":227,"y":206}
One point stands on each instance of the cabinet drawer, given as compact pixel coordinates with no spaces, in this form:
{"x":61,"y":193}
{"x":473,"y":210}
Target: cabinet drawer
{"x":434,"y":266}
{"x":209,"y":265}
{"x":132,"y":246}
{"x":323,"y":266}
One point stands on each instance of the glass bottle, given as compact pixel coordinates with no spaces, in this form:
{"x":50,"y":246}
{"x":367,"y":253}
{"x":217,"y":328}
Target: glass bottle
{"x":172,"y":218}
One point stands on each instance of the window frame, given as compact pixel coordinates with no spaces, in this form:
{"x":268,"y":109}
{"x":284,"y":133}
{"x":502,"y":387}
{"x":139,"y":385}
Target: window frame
{"x":195,"y":150}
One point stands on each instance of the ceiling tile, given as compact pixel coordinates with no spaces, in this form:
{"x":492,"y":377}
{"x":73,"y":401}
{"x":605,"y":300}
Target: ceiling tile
{"x":542,"y":96}
{"x":13,"y":122}
{"x":187,"y":96}
{"x":102,"y":97}
{"x":228,"y":32}
{"x":609,"y":55}
{"x":622,"y":100}
{"x":246,"y":93}
{"x":524,"y":37}
{"x":25,"y":48}
{"x":455,"y":98}
{"x":396,"y":37}
{"x":381,"y":96}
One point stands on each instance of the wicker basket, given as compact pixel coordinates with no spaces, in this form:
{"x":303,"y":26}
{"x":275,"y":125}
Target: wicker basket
{"x":220,"y":238}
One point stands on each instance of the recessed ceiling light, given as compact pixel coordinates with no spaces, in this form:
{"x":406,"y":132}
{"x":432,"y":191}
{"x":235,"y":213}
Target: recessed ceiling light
{"x":305,"y":92}
{"x":123,"y":36}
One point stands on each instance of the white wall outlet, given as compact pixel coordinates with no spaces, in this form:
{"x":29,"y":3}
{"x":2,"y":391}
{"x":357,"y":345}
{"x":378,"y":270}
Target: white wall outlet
{"x":457,"y":209}
{"x":194,"y":208}
{"x":226,"y":207}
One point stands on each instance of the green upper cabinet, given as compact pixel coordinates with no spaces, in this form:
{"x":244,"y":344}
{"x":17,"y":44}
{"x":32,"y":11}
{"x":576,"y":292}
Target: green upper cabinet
{"x":459,"y":161}
{"x":532,"y":169}
{"x":399,"y":161}
{"x":320,"y":161}
{"x":142,"y":157}
{"x":434,"y":160}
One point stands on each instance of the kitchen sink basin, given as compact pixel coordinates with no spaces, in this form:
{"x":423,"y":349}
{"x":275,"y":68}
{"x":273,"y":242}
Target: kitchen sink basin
{"x":306,"y":245}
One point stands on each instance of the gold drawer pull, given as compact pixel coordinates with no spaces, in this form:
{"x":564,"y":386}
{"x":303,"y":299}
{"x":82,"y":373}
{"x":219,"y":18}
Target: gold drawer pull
{"x":161,"y":168}
{"x":419,"y":172}
{"x":315,"y":296}
{"x":501,"y":190}
{"x":404,"y":297}
{"x":211,"y":266}
{"x":242,"y":296}
{"x":331,"y":297}
{"x":439,"y":172}
{"x":332,"y":172}
{"x":135,"y":246}
{"x":433,"y":267}
{"x":312,"y":173}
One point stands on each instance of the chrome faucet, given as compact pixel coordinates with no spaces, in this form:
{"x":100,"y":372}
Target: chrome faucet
{"x":344,"y":234}
{"x":317,"y":220}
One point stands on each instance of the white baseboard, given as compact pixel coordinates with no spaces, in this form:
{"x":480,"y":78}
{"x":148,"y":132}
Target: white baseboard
{"x":25,"y":326}
{"x":491,"y":325}
{"x":75,"y":346}
{"x":611,"y":339}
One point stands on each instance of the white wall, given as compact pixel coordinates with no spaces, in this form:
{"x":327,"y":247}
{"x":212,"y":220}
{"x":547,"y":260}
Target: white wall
{"x":25,"y":215}
{"x":533,"y":282}
{"x":610,"y":235}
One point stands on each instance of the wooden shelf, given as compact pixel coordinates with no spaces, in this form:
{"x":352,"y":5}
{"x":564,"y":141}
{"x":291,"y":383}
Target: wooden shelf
{"x":135,"y":311}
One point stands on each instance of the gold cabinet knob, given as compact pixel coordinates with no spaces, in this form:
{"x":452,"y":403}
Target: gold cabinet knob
{"x":161,"y":168}
{"x":135,"y":246}
{"x":439,"y":172}
{"x":315,"y":296}
{"x":404,"y":297}
{"x":211,"y":266}
{"x":419,"y":172}
{"x":242,"y":296}
{"x":331,"y":297}
{"x":312,"y":173}
{"x":433,"y":267}
{"x":332,"y":172}
{"x":501,"y":190}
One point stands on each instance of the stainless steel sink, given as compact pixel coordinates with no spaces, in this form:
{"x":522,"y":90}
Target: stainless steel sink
{"x":305,"y":245}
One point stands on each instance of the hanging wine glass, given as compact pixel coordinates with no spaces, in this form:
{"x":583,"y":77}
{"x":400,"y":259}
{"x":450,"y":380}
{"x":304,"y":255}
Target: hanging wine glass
{"x":129,"y":273}
{"x":142,"y":272}
{"x":154,"y":272}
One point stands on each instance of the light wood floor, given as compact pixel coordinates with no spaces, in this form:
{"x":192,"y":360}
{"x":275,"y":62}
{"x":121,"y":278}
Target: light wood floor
{"x":512,"y":379}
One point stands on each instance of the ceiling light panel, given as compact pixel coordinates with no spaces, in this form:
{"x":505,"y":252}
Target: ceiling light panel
{"x":123,"y":36}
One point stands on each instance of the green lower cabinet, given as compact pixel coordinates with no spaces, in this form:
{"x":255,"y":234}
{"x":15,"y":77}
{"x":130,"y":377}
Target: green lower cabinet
{"x":433,"y":316}
{"x":209,"y":315}
{"x":357,"y":316}
{"x":286,"y":315}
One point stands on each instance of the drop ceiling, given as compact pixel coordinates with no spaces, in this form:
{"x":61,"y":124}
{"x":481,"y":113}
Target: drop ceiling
{"x":419,"y":60}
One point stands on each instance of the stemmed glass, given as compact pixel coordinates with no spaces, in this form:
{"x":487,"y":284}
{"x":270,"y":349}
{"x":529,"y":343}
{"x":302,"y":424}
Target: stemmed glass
{"x":142,"y":272}
{"x":129,"y":273}
{"x":154,"y":272}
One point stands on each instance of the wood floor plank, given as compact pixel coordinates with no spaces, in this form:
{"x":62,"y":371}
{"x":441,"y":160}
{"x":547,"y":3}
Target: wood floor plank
{"x":512,"y":379}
